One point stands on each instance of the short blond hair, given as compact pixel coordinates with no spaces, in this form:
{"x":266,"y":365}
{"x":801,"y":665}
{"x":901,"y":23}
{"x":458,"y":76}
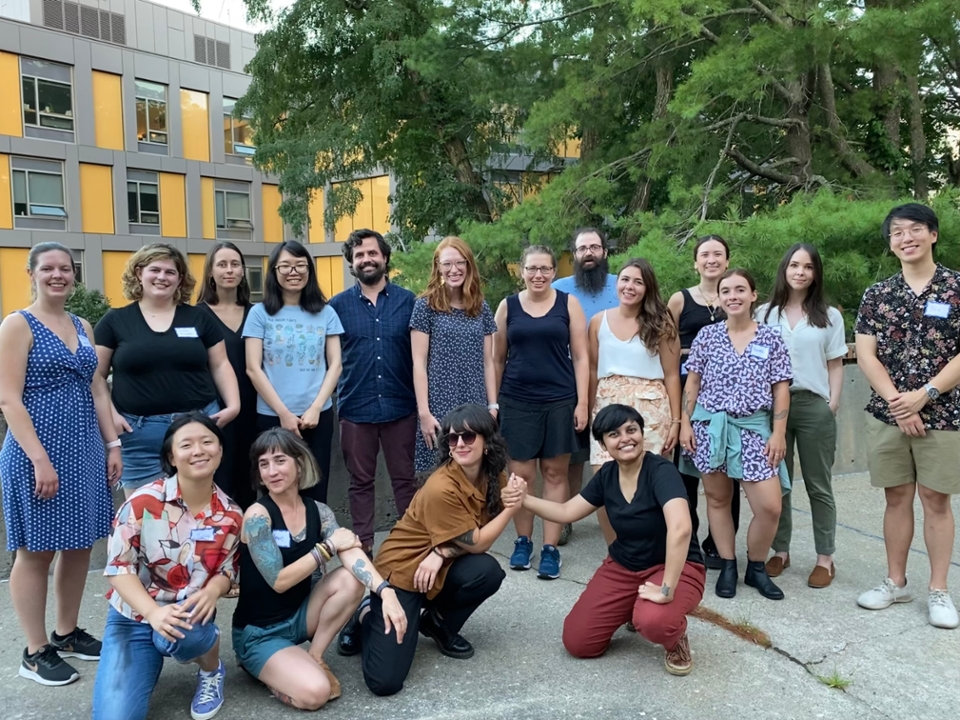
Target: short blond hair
{"x":133,"y":288}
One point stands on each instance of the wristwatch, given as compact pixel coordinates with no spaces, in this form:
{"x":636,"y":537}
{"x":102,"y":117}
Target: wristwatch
{"x":381,"y":587}
{"x":932,"y":392}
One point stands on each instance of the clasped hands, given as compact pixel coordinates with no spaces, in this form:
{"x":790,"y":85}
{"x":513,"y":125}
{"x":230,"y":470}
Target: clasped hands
{"x":513,"y":493}
{"x":904,"y":408}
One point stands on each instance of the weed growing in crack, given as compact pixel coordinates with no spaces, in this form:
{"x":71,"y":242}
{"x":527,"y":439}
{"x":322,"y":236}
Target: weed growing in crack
{"x":835,"y":681}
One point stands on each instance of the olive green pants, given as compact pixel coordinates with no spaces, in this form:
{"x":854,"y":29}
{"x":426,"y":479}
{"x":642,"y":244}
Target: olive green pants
{"x":812,"y":434}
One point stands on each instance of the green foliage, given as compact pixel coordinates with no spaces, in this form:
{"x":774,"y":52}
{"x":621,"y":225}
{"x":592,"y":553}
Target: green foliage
{"x":91,"y":305}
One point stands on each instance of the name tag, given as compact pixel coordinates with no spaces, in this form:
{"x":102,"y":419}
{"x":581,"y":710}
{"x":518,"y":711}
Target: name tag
{"x":937,"y":309}
{"x":683,"y":368}
{"x":203,"y":534}
{"x":84,"y":342}
{"x":186,"y":332}
{"x":282,"y":538}
{"x":761,"y":352}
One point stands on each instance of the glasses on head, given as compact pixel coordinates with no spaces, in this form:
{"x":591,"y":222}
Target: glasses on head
{"x":595,"y":249}
{"x":541,"y":270}
{"x":450,"y":264}
{"x":299,"y":269}
{"x":468,"y":438}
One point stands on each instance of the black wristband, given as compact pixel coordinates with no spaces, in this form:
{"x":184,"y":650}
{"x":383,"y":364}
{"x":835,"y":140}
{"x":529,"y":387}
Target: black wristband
{"x":381,"y":587}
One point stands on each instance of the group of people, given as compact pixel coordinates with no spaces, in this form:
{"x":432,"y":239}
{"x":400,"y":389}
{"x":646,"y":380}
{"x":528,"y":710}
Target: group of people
{"x":218,"y":418}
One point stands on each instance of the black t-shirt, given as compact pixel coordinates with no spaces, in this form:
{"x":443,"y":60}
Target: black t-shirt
{"x":640,"y":526}
{"x":156,"y":373}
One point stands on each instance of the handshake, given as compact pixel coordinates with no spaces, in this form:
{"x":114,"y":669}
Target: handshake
{"x":513,"y":493}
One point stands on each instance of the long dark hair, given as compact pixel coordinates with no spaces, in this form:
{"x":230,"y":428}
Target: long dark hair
{"x":312,"y":299}
{"x":654,"y":321}
{"x":478,"y":419}
{"x":208,"y":289}
{"x":814,"y":304}
{"x":166,"y":448}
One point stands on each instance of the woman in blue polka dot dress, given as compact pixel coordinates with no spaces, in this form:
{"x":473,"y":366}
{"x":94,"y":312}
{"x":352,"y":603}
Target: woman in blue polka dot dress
{"x":54,"y":468}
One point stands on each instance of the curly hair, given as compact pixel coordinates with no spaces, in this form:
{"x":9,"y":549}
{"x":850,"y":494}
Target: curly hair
{"x":654,"y":321}
{"x":478,"y":419}
{"x":436,"y":294}
{"x":133,"y":288}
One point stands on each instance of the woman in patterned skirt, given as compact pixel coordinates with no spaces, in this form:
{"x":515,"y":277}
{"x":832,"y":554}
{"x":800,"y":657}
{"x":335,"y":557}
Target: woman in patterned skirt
{"x":634,"y":361}
{"x":739,"y":376}
{"x":54,"y":466}
{"x":451,"y":335}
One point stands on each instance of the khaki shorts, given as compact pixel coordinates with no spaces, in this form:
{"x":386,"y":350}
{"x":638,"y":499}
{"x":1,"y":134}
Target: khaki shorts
{"x":896,"y":459}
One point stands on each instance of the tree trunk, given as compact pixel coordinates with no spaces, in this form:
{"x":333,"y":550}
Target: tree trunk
{"x":885,"y":76}
{"x":456,"y":150}
{"x":918,"y":140}
{"x":641,"y":195}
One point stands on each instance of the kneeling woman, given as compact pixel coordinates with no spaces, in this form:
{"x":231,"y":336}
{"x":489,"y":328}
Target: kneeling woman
{"x":436,"y":555}
{"x":172,"y":555}
{"x":654,"y":574}
{"x":288,"y":537}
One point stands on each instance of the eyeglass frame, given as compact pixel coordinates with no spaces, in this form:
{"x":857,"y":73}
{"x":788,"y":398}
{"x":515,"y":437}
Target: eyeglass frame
{"x":299,"y":268}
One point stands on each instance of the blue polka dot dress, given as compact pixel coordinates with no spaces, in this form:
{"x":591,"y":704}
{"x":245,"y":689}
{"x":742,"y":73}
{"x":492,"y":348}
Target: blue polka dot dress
{"x":57,"y":395}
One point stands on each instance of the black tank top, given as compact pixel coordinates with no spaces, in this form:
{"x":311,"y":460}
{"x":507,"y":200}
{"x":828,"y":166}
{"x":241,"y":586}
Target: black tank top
{"x":259,"y":604}
{"x":694,"y":317}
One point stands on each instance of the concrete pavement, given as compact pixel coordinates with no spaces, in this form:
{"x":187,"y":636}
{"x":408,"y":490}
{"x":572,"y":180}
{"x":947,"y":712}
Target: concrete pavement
{"x":892,"y":663}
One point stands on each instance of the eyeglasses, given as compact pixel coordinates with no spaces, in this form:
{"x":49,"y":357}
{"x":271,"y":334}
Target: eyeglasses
{"x":915,"y":231}
{"x":533,"y":270}
{"x":595,"y":249}
{"x":299,"y":269}
{"x":469,"y":438}
{"x":459,"y":264}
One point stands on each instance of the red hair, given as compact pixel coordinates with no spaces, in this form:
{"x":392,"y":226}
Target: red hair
{"x":436,"y":292}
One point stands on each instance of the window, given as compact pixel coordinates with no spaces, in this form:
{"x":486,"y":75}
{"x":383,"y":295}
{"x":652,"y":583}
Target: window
{"x":47,"y":99}
{"x":38,"y":197}
{"x":255,"y":281}
{"x":143,"y":202}
{"x":78,"y":266}
{"x":237,"y":133}
{"x":232,"y":205}
{"x":151,"y":116}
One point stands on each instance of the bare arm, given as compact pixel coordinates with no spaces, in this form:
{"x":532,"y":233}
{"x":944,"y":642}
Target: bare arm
{"x":578,"y":349}
{"x":593,"y":354}
{"x":835,"y":380}
{"x":334,"y":368}
{"x":500,"y":343}
{"x":15,"y":343}
{"x":675,"y":306}
{"x":253,"y":349}
{"x":257,"y":533}
{"x":574,"y":509}
{"x":872,"y":368}
{"x":478,"y":541}
{"x":489,"y":370}
{"x":225,"y":380}
{"x":104,"y":360}
{"x":688,"y":402}
{"x":420,"y":348}
{"x":134,"y":594}
{"x":101,"y":399}
{"x":781,"y":406}
{"x":676,"y":513}
{"x":669,"y":351}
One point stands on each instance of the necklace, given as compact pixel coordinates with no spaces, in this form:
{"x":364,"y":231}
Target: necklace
{"x":711,"y":303}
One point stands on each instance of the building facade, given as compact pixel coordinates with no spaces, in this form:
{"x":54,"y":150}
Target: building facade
{"x":116,"y":131}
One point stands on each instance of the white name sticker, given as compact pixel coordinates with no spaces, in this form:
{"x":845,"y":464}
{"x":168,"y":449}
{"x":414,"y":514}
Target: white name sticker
{"x":761,"y":352}
{"x":187,"y":332}
{"x":937,"y":309}
{"x":203,"y":534}
{"x":282,"y":538}
{"x":84,"y":342}
{"x":683,"y":368}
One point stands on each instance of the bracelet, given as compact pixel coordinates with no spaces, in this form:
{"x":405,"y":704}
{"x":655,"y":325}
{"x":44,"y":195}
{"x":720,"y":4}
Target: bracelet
{"x":322,"y":551}
{"x":113,"y":443}
{"x":437,"y":551}
{"x":331,"y":547}
{"x":381,"y":587}
{"x":318,"y":558}
{"x":493,"y":406}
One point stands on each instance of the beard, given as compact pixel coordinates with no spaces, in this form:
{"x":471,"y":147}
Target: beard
{"x":371,"y":274}
{"x":593,"y":279}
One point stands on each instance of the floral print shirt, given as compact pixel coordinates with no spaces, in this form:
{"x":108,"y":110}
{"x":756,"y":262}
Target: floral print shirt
{"x":917,"y":335}
{"x":172,"y":552}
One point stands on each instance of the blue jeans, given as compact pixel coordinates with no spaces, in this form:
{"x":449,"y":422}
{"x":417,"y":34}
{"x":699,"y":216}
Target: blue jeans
{"x":131,"y":661}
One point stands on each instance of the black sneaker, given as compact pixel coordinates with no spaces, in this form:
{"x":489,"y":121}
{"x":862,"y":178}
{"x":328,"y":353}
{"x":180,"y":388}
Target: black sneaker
{"x":79,"y":644}
{"x":449,"y":643}
{"x":350,"y":641}
{"x":47,"y":667}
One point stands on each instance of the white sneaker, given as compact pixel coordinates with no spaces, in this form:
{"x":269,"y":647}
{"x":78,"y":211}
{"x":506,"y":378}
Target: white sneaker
{"x":884,"y":595}
{"x":942,"y":612}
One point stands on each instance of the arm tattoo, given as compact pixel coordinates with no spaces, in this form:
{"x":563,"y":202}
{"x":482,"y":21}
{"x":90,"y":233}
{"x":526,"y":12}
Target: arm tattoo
{"x":451,"y":551}
{"x":360,"y":571}
{"x":263,"y":548}
{"x":688,"y":403}
{"x":466,"y":538}
{"x":780,"y":415}
{"x":328,"y":521}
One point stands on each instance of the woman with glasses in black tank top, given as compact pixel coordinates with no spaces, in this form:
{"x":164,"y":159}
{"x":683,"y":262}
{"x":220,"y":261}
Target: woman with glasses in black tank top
{"x":693,"y":309}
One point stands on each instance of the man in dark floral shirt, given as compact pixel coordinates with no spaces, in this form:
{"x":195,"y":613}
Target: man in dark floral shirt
{"x":908,"y":332}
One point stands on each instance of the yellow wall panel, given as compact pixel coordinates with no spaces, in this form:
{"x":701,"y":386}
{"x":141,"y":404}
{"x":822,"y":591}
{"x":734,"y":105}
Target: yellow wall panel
{"x":113,"y":264}
{"x":195,"y":260}
{"x":316,"y":232}
{"x":338,"y":267}
{"x":6,"y":195}
{"x":108,"y":111}
{"x":14,"y":281}
{"x":196,"y":125}
{"x":173,"y":206}
{"x":344,"y":226}
{"x":380,"y":204}
{"x":11,"y":109}
{"x":207,"y":206}
{"x":323,"y":275}
{"x":272,"y":224}
{"x":96,"y":198}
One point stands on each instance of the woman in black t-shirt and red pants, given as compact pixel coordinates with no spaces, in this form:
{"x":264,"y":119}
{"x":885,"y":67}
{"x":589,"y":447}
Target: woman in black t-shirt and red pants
{"x":654,"y":574}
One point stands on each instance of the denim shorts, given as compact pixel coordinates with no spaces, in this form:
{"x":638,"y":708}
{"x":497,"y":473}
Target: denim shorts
{"x":255,"y":645}
{"x":141,"y":447}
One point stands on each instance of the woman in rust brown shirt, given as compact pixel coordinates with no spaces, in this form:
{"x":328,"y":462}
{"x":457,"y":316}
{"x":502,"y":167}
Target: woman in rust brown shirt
{"x":436,"y":555}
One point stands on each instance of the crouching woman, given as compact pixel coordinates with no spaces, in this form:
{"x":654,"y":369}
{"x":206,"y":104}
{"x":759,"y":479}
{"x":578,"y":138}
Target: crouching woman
{"x":171,"y":557}
{"x":288,"y":538}
{"x":654,"y":574}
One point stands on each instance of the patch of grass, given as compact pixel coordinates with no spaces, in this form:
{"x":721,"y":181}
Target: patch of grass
{"x":835,"y":681}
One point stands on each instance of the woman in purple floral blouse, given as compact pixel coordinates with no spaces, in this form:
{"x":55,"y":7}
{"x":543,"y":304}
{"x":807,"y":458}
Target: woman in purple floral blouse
{"x":734,"y":420}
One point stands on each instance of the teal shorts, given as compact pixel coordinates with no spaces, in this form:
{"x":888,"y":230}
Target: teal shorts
{"x":255,"y":645}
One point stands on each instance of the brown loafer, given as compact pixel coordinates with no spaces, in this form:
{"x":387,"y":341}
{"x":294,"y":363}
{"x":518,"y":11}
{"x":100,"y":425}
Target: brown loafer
{"x":821,"y":577}
{"x":776,"y":565}
{"x":335,"y":689}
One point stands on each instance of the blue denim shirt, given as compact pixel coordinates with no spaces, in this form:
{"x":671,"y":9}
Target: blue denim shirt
{"x":376,"y":385}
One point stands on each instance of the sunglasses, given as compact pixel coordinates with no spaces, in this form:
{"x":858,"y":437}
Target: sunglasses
{"x":468,"y":438}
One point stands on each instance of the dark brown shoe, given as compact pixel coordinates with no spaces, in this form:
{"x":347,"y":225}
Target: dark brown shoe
{"x":776,"y":565}
{"x":821,"y":577}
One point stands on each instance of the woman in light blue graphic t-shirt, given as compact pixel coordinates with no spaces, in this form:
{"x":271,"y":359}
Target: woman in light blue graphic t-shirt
{"x":293,"y":354}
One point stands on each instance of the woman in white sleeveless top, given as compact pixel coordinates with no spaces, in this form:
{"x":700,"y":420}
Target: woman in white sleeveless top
{"x":635,"y":360}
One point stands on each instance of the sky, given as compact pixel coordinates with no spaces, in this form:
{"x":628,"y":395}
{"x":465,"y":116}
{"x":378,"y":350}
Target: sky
{"x":228,"y":12}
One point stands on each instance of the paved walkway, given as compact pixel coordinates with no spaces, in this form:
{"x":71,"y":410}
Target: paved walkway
{"x":892,"y":663}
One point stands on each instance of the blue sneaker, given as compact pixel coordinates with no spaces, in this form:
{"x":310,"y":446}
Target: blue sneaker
{"x":549,"y":563}
{"x":522,"y":550}
{"x":208,"y":699}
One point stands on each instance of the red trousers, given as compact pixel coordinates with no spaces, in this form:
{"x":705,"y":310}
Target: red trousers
{"x":611,"y":599}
